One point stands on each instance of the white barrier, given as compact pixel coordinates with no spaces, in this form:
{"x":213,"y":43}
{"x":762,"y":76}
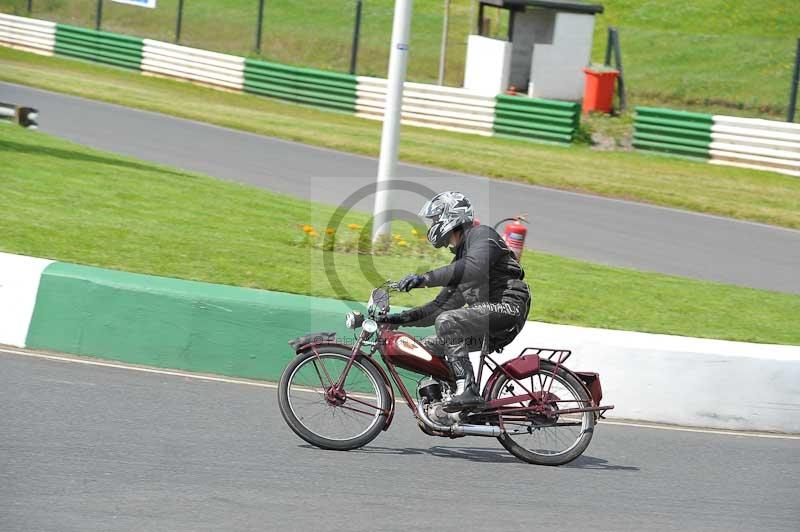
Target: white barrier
{"x":191,"y":64}
{"x":32,"y":35}
{"x":430,"y":106}
{"x":679,"y":380}
{"x":19,"y":284}
{"x":756,"y":143}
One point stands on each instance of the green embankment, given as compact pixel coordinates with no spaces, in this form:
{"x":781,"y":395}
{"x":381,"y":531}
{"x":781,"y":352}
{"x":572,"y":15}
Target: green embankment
{"x":79,"y":205}
{"x":171,"y":323}
{"x":735,"y":57}
{"x":738,"y":193}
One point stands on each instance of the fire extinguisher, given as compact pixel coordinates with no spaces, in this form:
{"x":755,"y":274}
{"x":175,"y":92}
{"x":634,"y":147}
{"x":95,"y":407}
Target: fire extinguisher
{"x":514,"y":234}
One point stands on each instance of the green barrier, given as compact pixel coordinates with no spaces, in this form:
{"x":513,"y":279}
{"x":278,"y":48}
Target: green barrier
{"x":536,"y":119}
{"x":329,"y":90}
{"x":677,"y":132}
{"x":99,"y":46}
{"x":172,"y":323}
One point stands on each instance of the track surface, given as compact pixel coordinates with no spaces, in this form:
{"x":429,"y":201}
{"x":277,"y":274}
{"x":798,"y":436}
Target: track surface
{"x":86,"y":448}
{"x":586,"y":227}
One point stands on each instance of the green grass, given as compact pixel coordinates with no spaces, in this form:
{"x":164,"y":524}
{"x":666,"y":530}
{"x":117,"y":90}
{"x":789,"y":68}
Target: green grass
{"x":79,"y":205}
{"x":738,"y":193}
{"x":724,"y":56}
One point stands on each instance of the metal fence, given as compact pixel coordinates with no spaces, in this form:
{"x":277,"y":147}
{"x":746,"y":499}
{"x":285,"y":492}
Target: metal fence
{"x":339,"y":35}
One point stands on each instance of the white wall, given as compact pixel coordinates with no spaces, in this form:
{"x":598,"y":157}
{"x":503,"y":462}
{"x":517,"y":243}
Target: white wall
{"x":488,"y":65}
{"x":680,"y":380}
{"x":556,"y":68}
{"x":19,"y":284}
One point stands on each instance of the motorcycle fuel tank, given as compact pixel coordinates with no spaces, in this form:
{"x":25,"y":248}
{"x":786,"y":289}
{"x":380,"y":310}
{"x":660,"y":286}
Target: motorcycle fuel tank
{"x":404,"y":351}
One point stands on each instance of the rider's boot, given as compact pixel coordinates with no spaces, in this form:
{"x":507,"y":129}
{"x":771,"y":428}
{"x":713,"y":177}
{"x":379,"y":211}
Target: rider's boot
{"x":466,"y":396}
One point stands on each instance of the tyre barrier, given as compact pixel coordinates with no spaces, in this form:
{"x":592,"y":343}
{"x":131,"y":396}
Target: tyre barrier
{"x":99,"y":46}
{"x":31,"y":35}
{"x":190,"y":64}
{"x":430,"y":106}
{"x":725,"y":140}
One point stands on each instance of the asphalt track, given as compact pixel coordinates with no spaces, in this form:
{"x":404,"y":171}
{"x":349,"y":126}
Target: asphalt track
{"x":607,"y":231}
{"x":88,"y":448}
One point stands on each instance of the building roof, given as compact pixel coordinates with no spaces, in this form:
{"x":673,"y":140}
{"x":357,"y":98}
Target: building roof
{"x":574,"y":6}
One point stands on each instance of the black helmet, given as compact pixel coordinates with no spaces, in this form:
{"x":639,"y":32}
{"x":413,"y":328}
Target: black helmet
{"x":449,"y":211}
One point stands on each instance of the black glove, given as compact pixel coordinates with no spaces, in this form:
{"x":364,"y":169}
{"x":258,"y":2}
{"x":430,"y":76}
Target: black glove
{"x":394,"y":319}
{"x":409,"y":282}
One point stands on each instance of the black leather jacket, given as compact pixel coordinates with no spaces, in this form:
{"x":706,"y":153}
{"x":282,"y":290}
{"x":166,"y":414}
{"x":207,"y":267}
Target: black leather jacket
{"x":484,"y":269}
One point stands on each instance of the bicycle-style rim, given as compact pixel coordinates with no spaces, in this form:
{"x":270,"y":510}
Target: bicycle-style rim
{"x":346,"y":412}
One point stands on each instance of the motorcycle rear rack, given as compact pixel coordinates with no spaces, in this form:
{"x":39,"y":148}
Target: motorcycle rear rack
{"x":548,"y":353}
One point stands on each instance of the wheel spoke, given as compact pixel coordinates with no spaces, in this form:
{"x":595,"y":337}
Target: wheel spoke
{"x":338,"y":414}
{"x":545,"y":436}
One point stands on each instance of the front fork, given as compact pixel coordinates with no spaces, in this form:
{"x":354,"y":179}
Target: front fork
{"x":335,"y":393}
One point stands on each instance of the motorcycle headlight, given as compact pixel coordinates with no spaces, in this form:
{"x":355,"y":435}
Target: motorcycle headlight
{"x":353,"y":320}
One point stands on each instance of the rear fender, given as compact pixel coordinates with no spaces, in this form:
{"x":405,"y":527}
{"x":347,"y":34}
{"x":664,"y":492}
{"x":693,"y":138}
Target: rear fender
{"x":314,"y":341}
{"x":518,"y":368}
{"x":591,"y":381}
{"x":522,"y":367}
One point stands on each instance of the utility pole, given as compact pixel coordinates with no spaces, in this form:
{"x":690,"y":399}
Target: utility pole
{"x":390,"y":137}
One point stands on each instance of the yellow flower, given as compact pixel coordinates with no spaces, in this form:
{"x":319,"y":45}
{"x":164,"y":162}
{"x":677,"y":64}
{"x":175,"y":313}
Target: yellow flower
{"x":402,"y":243}
{"x":414,"y":232}
{"x":330,"y":231}
{"x":354,"y":227}
{"x":308,"y":229}
{"x":397,"y":237}
{"x":313,"y":234}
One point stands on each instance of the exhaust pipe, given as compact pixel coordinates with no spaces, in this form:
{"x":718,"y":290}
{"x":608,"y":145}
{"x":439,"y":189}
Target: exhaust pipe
{"x":457,"y":430}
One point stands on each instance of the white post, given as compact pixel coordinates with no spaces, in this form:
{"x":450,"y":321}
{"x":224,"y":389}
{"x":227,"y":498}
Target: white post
{"x":390,"y":139}
{"x":443,"y":51}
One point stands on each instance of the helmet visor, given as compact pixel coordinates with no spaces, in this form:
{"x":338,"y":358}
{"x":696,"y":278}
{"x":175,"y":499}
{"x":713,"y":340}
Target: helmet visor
{"x":432,"y":209}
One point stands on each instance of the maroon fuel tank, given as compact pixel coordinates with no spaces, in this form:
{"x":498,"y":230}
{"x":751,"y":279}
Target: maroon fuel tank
{"x":404,"y":351}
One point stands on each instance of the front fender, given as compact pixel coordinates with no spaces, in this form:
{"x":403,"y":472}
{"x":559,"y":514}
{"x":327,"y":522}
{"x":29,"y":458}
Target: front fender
{"x":299,"y":344}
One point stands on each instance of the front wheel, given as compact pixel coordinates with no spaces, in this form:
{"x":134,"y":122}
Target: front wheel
{"x":548,"y":437}
{"x":327,"y":416}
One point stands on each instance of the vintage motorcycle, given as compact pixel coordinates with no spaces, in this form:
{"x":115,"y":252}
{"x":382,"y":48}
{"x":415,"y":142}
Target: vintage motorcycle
{"x":336,"y":396}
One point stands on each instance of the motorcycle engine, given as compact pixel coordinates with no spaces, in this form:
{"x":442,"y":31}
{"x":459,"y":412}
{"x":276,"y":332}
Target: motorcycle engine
{"x":430,"y":393}
{"x":429,"y":390}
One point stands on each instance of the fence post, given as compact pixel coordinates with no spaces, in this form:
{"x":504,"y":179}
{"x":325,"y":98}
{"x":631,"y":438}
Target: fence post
{"x":260,"y":24}
{"x":609,"y":44}
{"x":621,"y":80}
{"x":356,"y":38}
{"x":179,"y":22}
{"x":795,"y":83}
{"x":98,"y":20}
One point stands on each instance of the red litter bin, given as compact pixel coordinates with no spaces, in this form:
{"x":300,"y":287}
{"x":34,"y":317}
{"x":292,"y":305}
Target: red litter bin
{"x":598,"y":91}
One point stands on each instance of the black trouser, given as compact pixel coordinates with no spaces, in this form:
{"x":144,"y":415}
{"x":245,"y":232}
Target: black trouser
{"x":461,"y":331}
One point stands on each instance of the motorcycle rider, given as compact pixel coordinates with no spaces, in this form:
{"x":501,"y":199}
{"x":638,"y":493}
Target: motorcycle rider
{"x":484,"y":275}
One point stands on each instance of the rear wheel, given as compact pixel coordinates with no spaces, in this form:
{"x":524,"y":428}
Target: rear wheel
{"x":548,"y":437}
{"x":324,"y":415}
